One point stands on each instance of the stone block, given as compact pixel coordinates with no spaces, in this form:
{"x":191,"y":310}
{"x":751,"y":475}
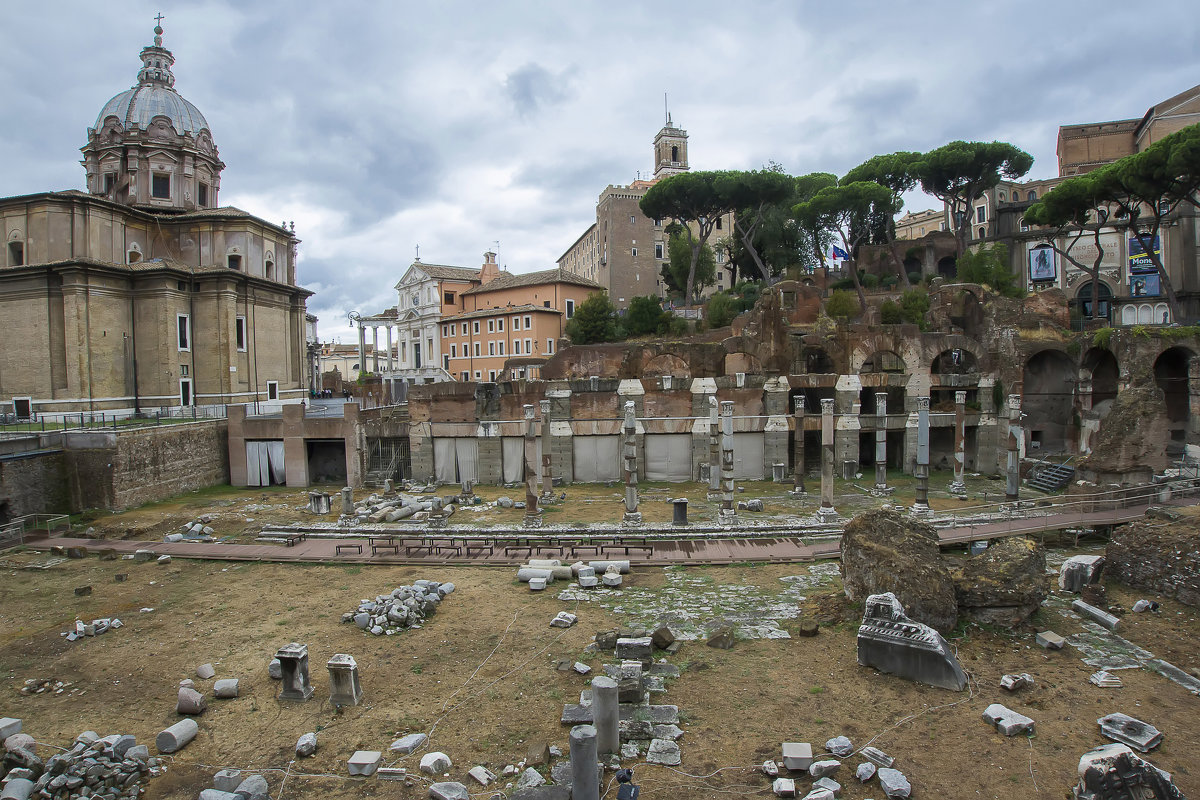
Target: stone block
{"x":893,"y":783}
{"x":662,"y":638}
{"x":1110,"y":764}
{"x":865,"y":771}
{"x":611,"y":580}
{"x":829,"y":785}
{"x":1096,"y":614}
{"x":448,"y":790}
{"x":877,"y":757}
{"x":253,"y":787}
{"x":190,"y":701}
{"x":784,"y":787}
{"x":225,"y":688}
{"x":306,"y":745}
{"x":482,"y":775}
{"x":529,"y":779}
{"x":391,"y":773}
{"x":564,"y":619}
{"x":176,"y":737}
{"x":9,"y":726}
{"x":797,"y":756}
{"x":891,"y":642}
{"x":1014,"y":682}
{"x":537,"y":754}
{"x":537,"y":584}
{"x":819,"y":794}
{"x":1079,"y":571}
{"x":638,"y":648}
{"x":1105,"y":680}
{"x":407,"y":744}
{"x":722,"y":638}
{"x":1141,"y":736}
{"x":588,"y":581}
{"x":435,"y":763}
{"x":17,"y":789}
{"x":205,"y":671}
{"x":840,"y":746}
{"x":819,"y":769}
{"x":274,"y":670}
{"x":1050,"y":640}
{"x":364,"y":762}
{"x":1007,"y":721}
{"x":663,"y":751}
{"x":20,"y":741}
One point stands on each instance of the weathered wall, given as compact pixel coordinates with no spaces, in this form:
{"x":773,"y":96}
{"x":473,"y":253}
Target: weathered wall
{"x":33,"y":483}
{"x":1157,"y":558}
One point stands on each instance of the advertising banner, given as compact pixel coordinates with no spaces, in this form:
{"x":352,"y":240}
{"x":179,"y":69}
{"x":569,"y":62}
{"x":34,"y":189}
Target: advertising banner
{"x":1139,"y":259}
{"x":1145,"y":285}
{"x":1043,"y":264}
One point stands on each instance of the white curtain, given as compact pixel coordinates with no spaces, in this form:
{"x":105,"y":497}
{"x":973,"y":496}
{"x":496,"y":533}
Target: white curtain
{"x":597,"y":458}
{"x":265,"y":463}
{"x":668,"y":457}
{"x":748,"y":456}
{"x":512,"y":457}
{"x":255,"y":453}
{"x":466,"y":452}
{"x":444,"y":470}
{"x":275,"y":459}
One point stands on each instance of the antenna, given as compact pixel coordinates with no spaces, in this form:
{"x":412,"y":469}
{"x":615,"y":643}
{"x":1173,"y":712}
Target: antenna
{"x":666,"y":110}
{"x":418,"y":258}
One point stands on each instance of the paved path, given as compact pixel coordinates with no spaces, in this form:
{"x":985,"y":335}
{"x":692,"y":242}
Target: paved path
{"x":430,"y":547}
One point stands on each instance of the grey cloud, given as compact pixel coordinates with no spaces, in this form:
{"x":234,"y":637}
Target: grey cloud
{"x":532,"y":86}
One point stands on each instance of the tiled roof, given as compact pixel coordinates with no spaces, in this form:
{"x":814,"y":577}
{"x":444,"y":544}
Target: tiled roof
{"x":507,"y":280}
{"x":445,"y":272}
{"x":500,"y":312}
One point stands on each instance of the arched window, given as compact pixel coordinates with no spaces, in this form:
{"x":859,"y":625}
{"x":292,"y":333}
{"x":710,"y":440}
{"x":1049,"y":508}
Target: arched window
{"x":269,"y":267}
{"x":1032,"y":195}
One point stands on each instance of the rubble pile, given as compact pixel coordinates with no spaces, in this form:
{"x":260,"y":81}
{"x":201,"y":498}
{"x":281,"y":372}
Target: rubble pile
{"x":405,"y":607}
{"x":97,"y":627}
{"x":105,"y":768}
{"x":197,"y":530}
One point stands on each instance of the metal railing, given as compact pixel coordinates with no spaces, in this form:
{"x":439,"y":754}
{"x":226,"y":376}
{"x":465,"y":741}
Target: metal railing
{"x":10,"y":426}
{"x":14,"y":532}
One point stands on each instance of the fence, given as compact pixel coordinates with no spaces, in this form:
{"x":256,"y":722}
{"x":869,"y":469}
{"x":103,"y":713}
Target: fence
{"x":100,"y":420}
{"x":16,"y":531}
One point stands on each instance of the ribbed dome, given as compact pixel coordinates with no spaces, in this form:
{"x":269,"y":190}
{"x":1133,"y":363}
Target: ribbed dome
{"x":139,"y":105}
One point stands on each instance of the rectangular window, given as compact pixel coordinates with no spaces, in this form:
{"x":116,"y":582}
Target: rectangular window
{"x":491,"y":376}
{"x":448,"y":298}
{"x":516,"y":323}
{"x":491,"y":326}
{"x":233,"y":262}
{"x":445,"y":328}
{"x":570,"y":308}
{"x":718,"y":223}
{"x":160,"y":186}
{"x":474,"y":326}
{"x":500,"y":325}
{"x":657,"y":222}
{"x":500,"y":348}
{"x":466,"y":375}
{"x":454,"y":351}
{"x":635,"y":252}
{"x":272,"y":390}
{"x":981,"y":213}
{"x":185,"y":392}
{"x":546,"y":303}
{"x":658,"y":251}
{"x":549,"y":346}
{"x":477,"y":374}
{"x":528,"y":322}
{"x":516,"y":347}
{"x":183,"y":331}
{"x":202,"y":195}
{"x":528,"y":347}
{"x":477,"y":349}
{"x":240,"y":333}
{"x":491,"y":348}
{"x":632,"y":220}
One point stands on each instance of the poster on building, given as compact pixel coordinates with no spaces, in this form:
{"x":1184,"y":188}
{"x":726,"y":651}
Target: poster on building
{"x":1043,"y":265}
{"x":1139,"y":259}
{"x":1146,"y":285}
{"x":1084,"y":250}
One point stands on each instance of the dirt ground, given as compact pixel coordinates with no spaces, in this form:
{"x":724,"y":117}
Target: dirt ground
{"x":478,"y":677}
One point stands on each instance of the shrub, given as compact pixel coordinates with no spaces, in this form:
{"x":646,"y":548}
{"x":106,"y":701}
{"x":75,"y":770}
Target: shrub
{"x":889,"y":313}
{"x":914,"y":303}
{"x":843,"y":284}
{"x":842,"y":305}
{"x":720,"y":310}
{"x":869,"y":281}
{"x":914,"y":277}
{"x":889,"y":281}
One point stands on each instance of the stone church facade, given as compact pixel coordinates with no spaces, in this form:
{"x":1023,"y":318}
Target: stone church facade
{"x":141,"y":293}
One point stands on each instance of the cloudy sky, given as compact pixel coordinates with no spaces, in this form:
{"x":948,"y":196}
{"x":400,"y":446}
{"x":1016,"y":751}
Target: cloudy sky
{"x":381,"y":126}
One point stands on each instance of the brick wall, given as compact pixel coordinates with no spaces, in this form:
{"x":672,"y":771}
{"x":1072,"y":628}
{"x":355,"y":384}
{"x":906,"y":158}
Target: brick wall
{"x":33,"y":483}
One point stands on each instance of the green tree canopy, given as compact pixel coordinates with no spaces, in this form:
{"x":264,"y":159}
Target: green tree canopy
{"x":896,"y":172}
{"x":595,"y":321}
{"x":645,"y":316}
{"x":720,"y":311}
{"x":751,"y":195}
{"x":989,"y":266}
{"x":680,"y":251}
{"x":841,"y":305}
{"x":692,"y":198}
{"x":960,"y":172}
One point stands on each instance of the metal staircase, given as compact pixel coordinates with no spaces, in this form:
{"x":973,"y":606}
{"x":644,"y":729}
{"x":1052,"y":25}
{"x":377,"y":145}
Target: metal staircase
{"x":1052,"y":477}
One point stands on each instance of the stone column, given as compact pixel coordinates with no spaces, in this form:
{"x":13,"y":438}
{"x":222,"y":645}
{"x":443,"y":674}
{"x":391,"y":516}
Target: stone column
{"x":1013,"y":482}
{"x":827,"y":509}
{"x":632,"y":515}
{"x":375,"y":348}
{"x":293,"y":666}
{"x":726,"y":515}
{"x":922,"y":502}
{"x":547,"y":476}
{"x":362,"y":350}
{"x":532,"y":518}
{"x":347,"y":502}
{"x":798,"y":447}
{"x":960,"y":443}
{"x":881,"y":486}
{"x":585,"y":773}
{"x":606,"y":714}
{"x":714,"y":447}
{"x":388,"y":330}
{"x":344,"y":688}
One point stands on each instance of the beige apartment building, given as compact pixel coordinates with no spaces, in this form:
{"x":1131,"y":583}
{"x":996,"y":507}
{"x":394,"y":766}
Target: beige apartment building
{"x":624,"y":250}
{"x":915,"y":224}
{"x":1083,"y":147}
{"x":510,"y":324}
{"x":141,"y":292}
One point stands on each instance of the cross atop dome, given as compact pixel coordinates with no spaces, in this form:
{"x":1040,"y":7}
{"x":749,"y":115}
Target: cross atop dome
{"x":156,"y":61}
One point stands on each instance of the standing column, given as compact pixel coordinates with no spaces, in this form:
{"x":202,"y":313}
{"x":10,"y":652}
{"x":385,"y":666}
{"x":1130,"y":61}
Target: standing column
{"x":532,"y":518}
{"x":362,"y":350}
{"x":881,"y":486}
{"x":632,"y":515}
{"x":957,"y":486}
{"x":1013,"y":483}
{"x":547,"y":478}
{"x":922,"y":503}
{"x":585,"y":772}
{"x":606,"y":714}
{"x":714,"y":448}
{"x":726,"y":515}
{"x":388,"y":329}
{"x":375,"y":348}
{"x":798,"y":447}
{"x":827,"y":509}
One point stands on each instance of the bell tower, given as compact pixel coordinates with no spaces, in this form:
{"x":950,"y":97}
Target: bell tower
{"x":670,"y":149}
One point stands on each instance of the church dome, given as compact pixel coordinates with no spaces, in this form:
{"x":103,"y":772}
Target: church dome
{"x":154,"y":96}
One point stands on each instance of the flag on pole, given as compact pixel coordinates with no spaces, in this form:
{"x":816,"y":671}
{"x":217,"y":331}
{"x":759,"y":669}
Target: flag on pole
{"x":839,"y":254}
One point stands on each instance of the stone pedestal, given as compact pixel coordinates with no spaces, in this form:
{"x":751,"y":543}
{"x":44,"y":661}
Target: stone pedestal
{"x":347,"y":502}
{"x":344,"y":689}
{"x":293,"y":667}
{"x":629,"y":464}
{"x":318,"y":502}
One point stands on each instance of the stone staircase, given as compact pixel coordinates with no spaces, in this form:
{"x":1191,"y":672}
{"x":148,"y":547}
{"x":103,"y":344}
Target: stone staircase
{"x":1052,"y":478}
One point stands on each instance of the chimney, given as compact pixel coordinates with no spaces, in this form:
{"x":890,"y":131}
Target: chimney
{"x":489,"y":271}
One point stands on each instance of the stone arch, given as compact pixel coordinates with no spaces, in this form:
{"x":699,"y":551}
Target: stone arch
{"x":954,"y":361}
{"x":947,"y":267}
{"x":1048,"y":399}
{"x":818,"y":362}
{"x":907,"y":350}
{"x":742,"y":362}
{"x":884,"y":361}
{"x":1172,"y":371}
{"x":1100,"y":365}
{"x":666,"y":364}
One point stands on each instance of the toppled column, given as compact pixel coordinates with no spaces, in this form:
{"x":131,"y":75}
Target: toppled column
{"x":714,"y":447}
{"x":881,"y":487}
{"x":177,"y":736}
{"x":1013,"y":478}
{"x":891,"y":642}
{"x":921,"y":505}
{"x":798,"y":448}
{"x":293,"y":666}
{"x":344,"y":688}
{"x":605,"y":714}
{"x":533,"y":518}
{"x":726,"y":515}
{"x":547,"y":476}
{"x":827,"y":510}
{"x":632,"y":515}
{"x":957,"y":486}
{"x":585,"y":777}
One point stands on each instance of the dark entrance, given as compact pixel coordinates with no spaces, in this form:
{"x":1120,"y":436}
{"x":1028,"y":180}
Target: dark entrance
{"x":326,"y":461}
